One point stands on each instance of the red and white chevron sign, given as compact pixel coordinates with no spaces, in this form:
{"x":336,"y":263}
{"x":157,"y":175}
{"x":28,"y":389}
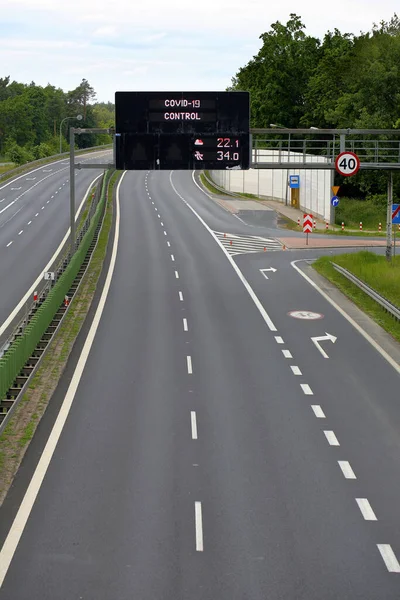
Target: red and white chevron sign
{"x":307,"y":223}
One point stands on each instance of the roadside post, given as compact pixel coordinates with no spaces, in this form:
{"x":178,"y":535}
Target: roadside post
{"x":307,"y":225}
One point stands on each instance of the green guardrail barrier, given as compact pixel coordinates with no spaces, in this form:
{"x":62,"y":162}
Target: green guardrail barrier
{"x":22,"y":348}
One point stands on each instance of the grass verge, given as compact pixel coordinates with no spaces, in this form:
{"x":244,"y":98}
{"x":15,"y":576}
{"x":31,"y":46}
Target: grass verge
{"x":376,"y":272}
{"x":16,"y":437}
{"x":209,"y":186}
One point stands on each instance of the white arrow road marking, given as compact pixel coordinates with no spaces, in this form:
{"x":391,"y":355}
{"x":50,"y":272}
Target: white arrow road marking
{"x":322,"y":338}
{"x":15,"y":188}
{"x":263,"y":271}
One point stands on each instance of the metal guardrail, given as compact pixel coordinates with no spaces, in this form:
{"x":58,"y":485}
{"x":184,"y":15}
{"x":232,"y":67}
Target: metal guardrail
{"x":388,"y":306}
{"x":219,"y":188}
{"x":49,"y":159}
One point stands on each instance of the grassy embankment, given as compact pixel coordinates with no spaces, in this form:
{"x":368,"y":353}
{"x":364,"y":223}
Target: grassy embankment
{"x":375,"y":271}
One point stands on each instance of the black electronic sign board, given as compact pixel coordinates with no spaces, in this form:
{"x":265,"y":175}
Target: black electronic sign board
{"x":182,"y":130}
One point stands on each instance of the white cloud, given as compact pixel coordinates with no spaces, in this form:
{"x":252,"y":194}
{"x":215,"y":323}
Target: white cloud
{"x":155,"y":45}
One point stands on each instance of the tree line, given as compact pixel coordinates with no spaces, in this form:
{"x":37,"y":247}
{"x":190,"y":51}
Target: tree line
{"x":342,"y":81}
{"x":31,"y":116}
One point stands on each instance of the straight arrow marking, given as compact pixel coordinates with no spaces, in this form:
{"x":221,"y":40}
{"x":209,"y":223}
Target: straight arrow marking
{"x":323,"y":338}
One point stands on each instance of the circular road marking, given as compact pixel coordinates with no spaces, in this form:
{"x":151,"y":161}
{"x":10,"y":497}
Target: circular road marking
{"x":308,"y":315}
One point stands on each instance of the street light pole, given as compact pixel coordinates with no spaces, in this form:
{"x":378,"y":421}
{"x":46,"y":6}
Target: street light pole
{"x":78,"y":118}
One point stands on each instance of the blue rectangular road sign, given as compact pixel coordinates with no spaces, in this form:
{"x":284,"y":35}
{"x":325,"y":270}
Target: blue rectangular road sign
{"x":395,"y":213}
{"x":294,"y":181}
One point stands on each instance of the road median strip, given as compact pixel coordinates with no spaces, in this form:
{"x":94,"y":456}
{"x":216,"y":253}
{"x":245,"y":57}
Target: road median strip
{"x":37,"y":393}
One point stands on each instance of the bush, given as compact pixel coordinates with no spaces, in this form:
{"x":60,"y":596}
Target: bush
{"x":42,"y":151}
{"x":18,"y":154}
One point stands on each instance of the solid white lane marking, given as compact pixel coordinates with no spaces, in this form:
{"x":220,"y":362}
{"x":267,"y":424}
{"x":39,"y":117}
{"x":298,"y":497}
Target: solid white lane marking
{"x":194,"y":424}
{"x":366,"y":509}
{"x":21,"y":518}
{"x":22,"y":231}
{"x":29,"y":222}
{"x":199,"y":526}
{"x":389,"y":558}
{"x":172,"y":258}
{"x":177,"y":274}
{"x":185,"y":325}
{"x":278,"y":339}
{"x":318,"y":412}
{"x":168,"y":244}
{"x":9,"y":244}
{"x":189,"y":365}
{"x":239,"y":273}
{"x":306,"y":389}
{"x":344,"y":314}
{"x":287,"y":354}
{"x":346,"y":469}
{"x":181,"y":296}
{"x":331,"y":437}
{"x":296,"y":370}
{"x":21,"y":303}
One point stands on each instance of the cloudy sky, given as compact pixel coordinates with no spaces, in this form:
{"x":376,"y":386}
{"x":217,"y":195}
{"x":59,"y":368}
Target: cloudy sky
{"x":156,"y":44}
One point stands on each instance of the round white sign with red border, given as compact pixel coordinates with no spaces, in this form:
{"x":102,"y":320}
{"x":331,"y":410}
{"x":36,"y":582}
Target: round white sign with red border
{"x":347,"y":163}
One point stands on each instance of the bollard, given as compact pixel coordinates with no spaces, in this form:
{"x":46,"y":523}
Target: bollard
{"x":360,"y":225}
{"x":326,"y":226}
{"x":380,"y":227}
{"x":298,"y":221}
{"x":314,"y":224}
{"x":35,"y":296}
{"x":342,"y":225}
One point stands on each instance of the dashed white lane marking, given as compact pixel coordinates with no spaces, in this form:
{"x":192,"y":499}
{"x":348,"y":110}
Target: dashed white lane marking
{"x":278,"y":339}
{"x":169,"y":245}
{"x":181,"y":296}
{"x":9,"y":243}
{"x":165,"y":233}
{"x":162,"y":224}
{"x":47,"y":201}
{"x":2,"y":200}
{"x":177,"y":274}
{"x":332,"y":439}
{"x":318,"y":412}
{"x":295,"y":370}
{"x":185,"y":325}
{"x":22,"y":231}
{"x":52,"y":197}
{"x":155,"y":208}
{"x":159,"y":216}
{"x":29,"y":222}
{"x":199,"y":526}
{"x":37,"y":214}
{"x":306,"y":389}
{"x":42,"y":207}
{"x":153,"y":203}
{"x":189,"y":365}
{"x":56,"y":192}
{"x":194,"y":424}
{"x":172,"y":258}
{"x":287,"y":354}
{"x":366,"y":509}
{"x":389,"y":558}
{"x":346,"y":469}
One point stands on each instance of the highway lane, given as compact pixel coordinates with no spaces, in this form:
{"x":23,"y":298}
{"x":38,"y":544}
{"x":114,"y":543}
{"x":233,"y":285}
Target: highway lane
{"x":191,"y":464}
{"x":34,"y":217}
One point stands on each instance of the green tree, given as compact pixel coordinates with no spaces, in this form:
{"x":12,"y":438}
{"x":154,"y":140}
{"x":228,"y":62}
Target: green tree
{"x":277,"y":77}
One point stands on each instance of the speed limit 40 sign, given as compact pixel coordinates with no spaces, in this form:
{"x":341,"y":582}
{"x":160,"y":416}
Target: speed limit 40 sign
{"x":347,"y":163}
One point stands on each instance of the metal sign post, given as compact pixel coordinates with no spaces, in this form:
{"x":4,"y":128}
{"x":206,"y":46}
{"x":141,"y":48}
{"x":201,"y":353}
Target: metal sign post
{"x":72,"y":166}
{"x":389,"y":217}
